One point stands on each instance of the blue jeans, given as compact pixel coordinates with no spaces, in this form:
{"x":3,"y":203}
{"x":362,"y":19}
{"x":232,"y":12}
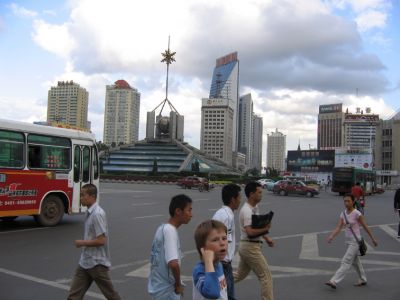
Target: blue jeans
{"x":228,"y":272}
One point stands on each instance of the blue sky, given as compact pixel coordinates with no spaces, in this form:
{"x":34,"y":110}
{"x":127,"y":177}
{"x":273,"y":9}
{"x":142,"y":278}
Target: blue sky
{"x":294,"y":55}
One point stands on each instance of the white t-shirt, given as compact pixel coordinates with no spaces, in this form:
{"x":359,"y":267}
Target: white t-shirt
{"x":172,"y":246}
{"x":245,"y":220}
{"x":226,"y":216}
{"x":352,"y":218}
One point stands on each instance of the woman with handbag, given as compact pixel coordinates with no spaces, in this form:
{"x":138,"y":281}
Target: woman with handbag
{"x":351,"y":218}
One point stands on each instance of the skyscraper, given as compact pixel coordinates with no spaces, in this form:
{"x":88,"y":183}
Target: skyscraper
{"x":257,"y":141}
{"x":245,"y":127}
{"x":216,"y":128}
{"x":330,"y":126}
{"x":276,"y":149}
{"x":68,"y":104}
{"x":225,"y":85}
{"x":360,"y":129}
{"x":121,"y":114}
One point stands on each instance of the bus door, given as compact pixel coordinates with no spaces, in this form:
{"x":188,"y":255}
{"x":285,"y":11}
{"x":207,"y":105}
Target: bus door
{"x":81,"y":174}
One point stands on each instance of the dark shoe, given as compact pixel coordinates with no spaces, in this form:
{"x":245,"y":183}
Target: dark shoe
{"x":331,"y":284}
{"x":362,"y":283}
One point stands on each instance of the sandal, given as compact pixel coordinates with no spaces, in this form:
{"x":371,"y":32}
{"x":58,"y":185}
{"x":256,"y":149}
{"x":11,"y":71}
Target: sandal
{"x":331,"y":284}
{"x":362,"y":283}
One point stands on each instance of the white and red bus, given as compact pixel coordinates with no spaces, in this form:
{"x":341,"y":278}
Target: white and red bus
{"x":42,"y":170}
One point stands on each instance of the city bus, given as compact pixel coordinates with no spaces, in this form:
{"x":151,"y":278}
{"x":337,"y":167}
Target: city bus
{"x":42,"y":170}
{"x":343,"y":178}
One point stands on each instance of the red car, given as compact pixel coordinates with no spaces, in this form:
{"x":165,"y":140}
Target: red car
{"x":192,"y":181}
{"x":286,"y":187}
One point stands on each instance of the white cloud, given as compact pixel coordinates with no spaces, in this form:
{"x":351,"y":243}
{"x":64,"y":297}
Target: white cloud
{"x":371,"y":19}
{"x":22,"y":12}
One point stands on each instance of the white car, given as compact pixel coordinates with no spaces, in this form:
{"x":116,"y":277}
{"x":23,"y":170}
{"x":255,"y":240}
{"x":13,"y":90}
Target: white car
{"x":264,"y":182}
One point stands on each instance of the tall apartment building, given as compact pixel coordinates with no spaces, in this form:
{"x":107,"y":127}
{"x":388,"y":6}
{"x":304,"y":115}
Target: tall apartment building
{"x":276,"y":150}
{"x":360,"y":129}
{"x":257,"y":141}
{"x":121,"y":114}
{"x":225,"y":85}
{"x":245,"y":127}
{"x":68,"y":104}
{"x":217,"y":128}
{"x":387,"y":151}
{"x":330,"y":126}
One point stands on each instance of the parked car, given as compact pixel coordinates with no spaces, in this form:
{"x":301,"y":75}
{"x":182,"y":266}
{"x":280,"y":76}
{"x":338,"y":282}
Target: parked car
{"x":286,"y":187}
{"x":313,"y":184}
{"x":264,"y":182}
{"x":270,"y":185}
{"x":191,"y":182}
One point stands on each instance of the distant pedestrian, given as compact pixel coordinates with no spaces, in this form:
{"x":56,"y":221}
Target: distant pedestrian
{"x":251,"y":257}
{"x":397,"y":208}
{"x":165,"y":260}
{"x":95,"y":258}
{"x":208,"y":275}
{"x":350,"y":218}
{"x":358,"y":194}
{"x":231,"y":199}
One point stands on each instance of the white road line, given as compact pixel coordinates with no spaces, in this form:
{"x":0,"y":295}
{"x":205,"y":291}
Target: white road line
{"x":390,"y":231}
{"x":46,"y":282}
{"x":145,"y":217}
{"x":144,"y":204}
{"x":108,"y":191}
{"x":23,"y":230}
{"x":309,"y":246}
{"x":213,"y":209}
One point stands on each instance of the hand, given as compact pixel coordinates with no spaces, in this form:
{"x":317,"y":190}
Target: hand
{"x":79,"y":243}
{"x":374,"y":242}
{"x":208,"y":255}
{"x":269,"y":241}
{"x":329,"y":239}
{"x":178,"y":289}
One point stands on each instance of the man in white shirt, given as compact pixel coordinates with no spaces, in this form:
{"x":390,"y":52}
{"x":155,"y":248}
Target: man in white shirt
{"x":231,"y":199}
{"x":251,"y":257}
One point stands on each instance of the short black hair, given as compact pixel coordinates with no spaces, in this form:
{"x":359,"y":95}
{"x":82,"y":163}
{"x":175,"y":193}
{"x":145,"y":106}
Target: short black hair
{"x":230,"y":191}
{"x":90,"y":189}
{"x":178,"y":201}
{"x":251,"y":187}
{"x":358,"y":183}
{"x":350,"y":196}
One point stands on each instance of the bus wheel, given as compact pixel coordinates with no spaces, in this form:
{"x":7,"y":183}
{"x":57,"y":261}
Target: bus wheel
{"x":51,"y":213}
{"x":8,"y":219}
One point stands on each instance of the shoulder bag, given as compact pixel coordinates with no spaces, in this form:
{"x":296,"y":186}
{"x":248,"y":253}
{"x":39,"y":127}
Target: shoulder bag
{"x":362,"y":246}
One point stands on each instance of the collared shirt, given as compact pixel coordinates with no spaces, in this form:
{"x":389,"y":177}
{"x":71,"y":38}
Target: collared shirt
{"x":226,"y":216}
{"x":95,"y":225}
{"x":245,"y":220}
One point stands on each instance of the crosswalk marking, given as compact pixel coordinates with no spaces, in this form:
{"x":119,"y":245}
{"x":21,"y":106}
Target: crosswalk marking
{"x":390,"y":231}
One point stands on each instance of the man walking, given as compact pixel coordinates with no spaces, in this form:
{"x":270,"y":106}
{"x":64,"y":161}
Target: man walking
{"x":397,"y":208}
{"x":165,"y":272}
{"x":231,"y":199}
{"x":358,"y":193}
{"x":95,"y":259}
{"x":251,"y":257}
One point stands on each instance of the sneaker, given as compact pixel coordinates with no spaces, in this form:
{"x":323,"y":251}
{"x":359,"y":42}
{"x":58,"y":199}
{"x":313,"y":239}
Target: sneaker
{"x":331,"y":284}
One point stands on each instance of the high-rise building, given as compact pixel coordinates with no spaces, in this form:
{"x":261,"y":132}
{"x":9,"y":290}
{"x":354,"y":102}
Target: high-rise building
{"x":360,"y":129}
{"x":330,"y":126}
{"x":216,"y":128}
{"x":387,"y":151}
{"x":121,"y":114}
{"x":225,"y":85}
{"x":245,"y":127}
{"x":68,"y":104}
{"x":276,"y":149}
{"x":257,"y":141}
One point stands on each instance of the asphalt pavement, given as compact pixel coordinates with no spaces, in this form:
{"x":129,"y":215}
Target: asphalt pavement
{"x":39,"y":262}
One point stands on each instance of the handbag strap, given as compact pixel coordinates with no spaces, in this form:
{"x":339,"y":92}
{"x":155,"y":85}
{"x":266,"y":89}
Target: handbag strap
{"x":351,"y":228}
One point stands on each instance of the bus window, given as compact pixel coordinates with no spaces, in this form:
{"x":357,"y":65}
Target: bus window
{"x":77,"y":163}
{"x":86,"y":164}
{"x":47,"y":152}
{"x":11,"y":149}
{"x":95,"y":164}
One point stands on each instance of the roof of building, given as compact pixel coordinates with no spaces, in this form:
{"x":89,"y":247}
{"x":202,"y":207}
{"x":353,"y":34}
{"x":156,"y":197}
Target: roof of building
{"x":122,"y":84}
{"x":396,"y":116}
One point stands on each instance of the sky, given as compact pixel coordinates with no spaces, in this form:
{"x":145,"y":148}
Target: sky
{"x":294,"y":55}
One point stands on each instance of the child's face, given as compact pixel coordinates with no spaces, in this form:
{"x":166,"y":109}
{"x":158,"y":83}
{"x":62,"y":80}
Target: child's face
{"x":217,"y":242}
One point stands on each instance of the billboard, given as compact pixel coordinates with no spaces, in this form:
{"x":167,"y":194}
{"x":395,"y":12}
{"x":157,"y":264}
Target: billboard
{"x":330,"y":108}
{"x":372,"y":119}
{"x":358,"y":158}
{"x":206,"y":102}
{"x":226,"y":59}
{"x":311,"y":161}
